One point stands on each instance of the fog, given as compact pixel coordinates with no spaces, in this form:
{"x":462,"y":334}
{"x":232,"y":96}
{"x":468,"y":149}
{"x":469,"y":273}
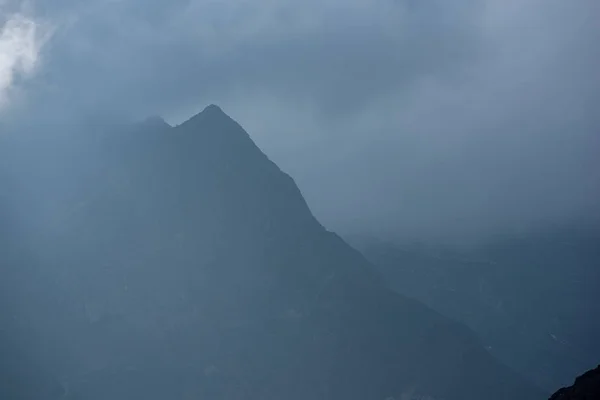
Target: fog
{"x":146,"y":259}
{"x":421,"y":119}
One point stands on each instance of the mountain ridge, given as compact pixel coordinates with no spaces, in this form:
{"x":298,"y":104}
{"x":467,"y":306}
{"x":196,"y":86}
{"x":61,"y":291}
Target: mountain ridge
{"x":189,"y":263}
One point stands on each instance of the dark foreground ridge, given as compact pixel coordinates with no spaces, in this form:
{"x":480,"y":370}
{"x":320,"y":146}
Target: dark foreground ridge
{"x":586,"y":387}
{"x":182,"y":263}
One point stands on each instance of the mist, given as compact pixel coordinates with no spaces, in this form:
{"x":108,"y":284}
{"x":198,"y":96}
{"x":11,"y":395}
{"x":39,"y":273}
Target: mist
{"x":179,"y":180}
{"x":420,"y":120}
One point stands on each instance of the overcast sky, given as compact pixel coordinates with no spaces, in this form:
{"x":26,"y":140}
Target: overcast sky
{"x":426,"y":119}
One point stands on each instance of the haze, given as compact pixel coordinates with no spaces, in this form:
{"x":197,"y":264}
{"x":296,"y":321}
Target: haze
{"x":420,"y":119}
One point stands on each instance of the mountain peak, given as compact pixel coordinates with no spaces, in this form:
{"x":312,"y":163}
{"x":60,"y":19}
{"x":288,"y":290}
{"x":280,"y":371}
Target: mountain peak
{"x":214,"y":123}
{"x":213,"y":108}
{"x":211,"y":114}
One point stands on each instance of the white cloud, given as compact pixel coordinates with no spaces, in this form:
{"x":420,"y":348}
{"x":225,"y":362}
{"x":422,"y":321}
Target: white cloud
{"x":20,"y":42}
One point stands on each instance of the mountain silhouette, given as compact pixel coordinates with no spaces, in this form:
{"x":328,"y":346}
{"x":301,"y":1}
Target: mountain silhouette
{"x":180,"y":262}
{"x":585,"y":387}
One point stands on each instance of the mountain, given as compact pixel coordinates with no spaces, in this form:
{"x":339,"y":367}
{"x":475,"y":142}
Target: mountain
{"x":180,"y":262}
{"x":586,"y":387}
{"x":21,"y":377}
{"x":529,"y":298}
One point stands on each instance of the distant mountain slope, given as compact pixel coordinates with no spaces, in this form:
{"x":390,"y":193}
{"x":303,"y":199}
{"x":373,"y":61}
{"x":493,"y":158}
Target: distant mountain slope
{"x":533,"y":300}
{"x":180,"y":263}
{"x":21,"y":376}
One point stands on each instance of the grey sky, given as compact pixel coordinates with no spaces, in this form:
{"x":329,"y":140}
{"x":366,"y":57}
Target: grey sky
{"x":420,"y":118}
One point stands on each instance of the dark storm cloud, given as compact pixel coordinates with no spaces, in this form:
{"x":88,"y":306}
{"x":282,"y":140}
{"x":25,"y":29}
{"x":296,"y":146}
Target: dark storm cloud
{"x":425,"y":118}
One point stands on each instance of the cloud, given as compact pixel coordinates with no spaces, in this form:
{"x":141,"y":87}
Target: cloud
{"x":510,"y":145}
{"x":20,"y":44}
{"x":428,"y":118}
{"x":189,"y":51}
